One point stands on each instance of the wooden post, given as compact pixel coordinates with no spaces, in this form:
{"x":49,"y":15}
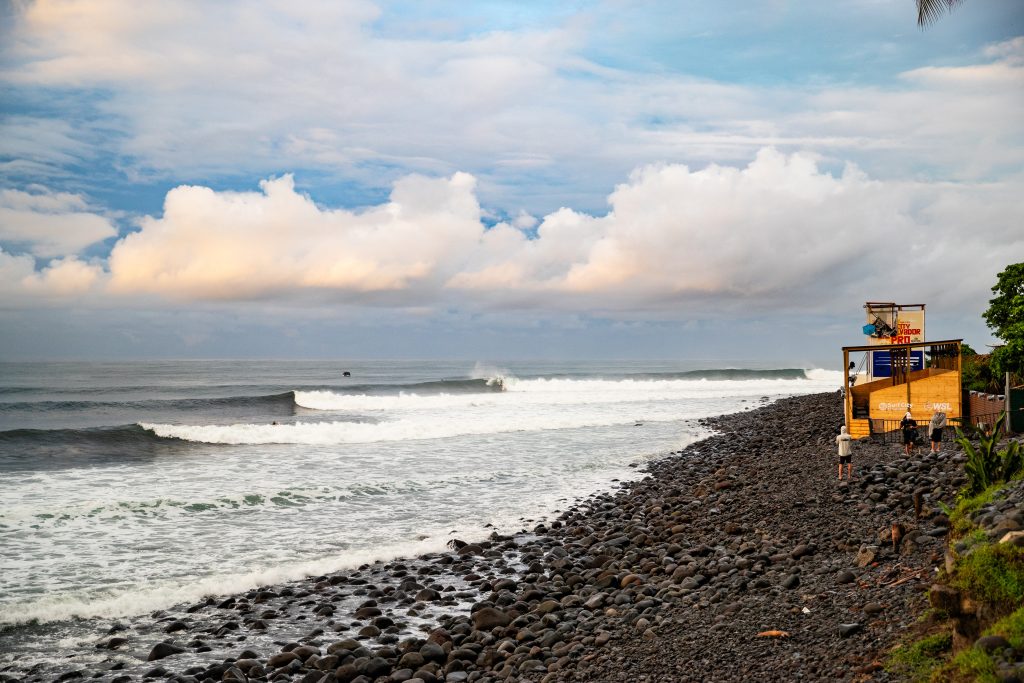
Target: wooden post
{"x":847,"y":394}
{"x":906,"y":375}
{"x":1007,"y":427}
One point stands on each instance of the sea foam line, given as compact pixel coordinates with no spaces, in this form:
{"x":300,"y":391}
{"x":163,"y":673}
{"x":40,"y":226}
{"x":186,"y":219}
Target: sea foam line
{"x":567,"y":392}
{"x":411,"y":428}
{"x":147,"y":597}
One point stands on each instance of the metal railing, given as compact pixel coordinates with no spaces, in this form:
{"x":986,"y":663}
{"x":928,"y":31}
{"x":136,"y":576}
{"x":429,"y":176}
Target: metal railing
{"x":889,"y":431}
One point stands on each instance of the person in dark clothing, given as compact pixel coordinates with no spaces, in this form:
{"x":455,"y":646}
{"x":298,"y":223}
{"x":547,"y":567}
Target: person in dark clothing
{"x":908,"y":425}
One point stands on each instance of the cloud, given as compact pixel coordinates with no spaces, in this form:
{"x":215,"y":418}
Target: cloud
{"x":49,"y":143}
{"x":1012,"y":51}
{"x":50,"y":223}
{"x":223,"y":246}
{"x":62,"y":281}
{"x":777,"y":234}
{"x":533,"y":113}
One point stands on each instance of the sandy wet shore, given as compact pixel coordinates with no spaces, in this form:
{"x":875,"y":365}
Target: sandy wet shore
{"x":740,"y":558}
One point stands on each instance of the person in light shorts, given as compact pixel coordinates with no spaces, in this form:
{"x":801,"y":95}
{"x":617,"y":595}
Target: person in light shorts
{"x":845,"y":443}
{"x":935,"y":427}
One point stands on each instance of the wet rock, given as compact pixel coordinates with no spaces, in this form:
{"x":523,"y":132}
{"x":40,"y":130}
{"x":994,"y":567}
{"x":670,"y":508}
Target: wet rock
{"x":175,"y":626}
{"x":489,"y":617}
{"x":282,"y":658}
{"x":374,"y":667}
{"x":944,"y":598}
{"x":161,"y":650}
{"x":847,"y":630}
{"x":991,"y":643}
{"x":235,"y":675}
{"x":866,"y":555}
{"x":432,"y":652}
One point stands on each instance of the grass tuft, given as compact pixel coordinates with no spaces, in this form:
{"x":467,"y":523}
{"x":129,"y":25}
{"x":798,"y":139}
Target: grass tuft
{"x":994,"y":573}
{"x":917,"y":660}
{"x":969,"y":665}
{"x":960,"y":516}
{"x":1010,"y":627}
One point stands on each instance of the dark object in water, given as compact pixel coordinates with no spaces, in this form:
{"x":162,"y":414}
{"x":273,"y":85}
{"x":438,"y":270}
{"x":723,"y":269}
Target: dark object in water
{"x":456,"y":544}
{"x":346,"y":374}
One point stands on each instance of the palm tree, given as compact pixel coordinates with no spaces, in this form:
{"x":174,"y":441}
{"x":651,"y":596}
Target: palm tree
{"x":929,"y":11}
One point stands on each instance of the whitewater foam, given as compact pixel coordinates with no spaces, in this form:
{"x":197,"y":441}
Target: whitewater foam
{"x":562,"y":392}
{"x":346,"y":478}
{"x":57,"y":607}
{"x":411,"y":428}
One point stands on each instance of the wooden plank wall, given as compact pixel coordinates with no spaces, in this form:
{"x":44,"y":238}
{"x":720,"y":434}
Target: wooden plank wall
{"x":930,"y":390}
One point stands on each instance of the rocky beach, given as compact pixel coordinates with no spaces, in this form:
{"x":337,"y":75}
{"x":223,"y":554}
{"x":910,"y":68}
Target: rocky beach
{"x":739,"y":558}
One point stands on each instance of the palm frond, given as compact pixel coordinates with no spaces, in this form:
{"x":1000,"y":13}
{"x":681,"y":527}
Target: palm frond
{"x":929,"y":11}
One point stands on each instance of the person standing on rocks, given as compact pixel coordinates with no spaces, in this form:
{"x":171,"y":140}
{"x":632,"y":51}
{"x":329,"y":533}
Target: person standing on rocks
{"x":845,"y":443}
{"x":908,"y":425}
{"x":935,"y":427}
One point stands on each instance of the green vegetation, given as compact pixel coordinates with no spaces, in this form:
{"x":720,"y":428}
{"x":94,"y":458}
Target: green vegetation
{"x":976,"y":372}
{"x":989,"y":573}
{"x":1011,"y":628}
{"x":966,"y":505}
{"x":917,"y":660}
{"x":1005,"y":316}
{"x":992,"y":572}
{"x":975,"y":665}
{"x":985,"y":466}
{"x":969,"y":665}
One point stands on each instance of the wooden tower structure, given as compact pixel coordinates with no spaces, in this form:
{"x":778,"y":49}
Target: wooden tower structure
{"x":923,"y":377}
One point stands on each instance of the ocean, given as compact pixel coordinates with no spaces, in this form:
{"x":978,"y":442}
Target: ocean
{"x":131,"y":487}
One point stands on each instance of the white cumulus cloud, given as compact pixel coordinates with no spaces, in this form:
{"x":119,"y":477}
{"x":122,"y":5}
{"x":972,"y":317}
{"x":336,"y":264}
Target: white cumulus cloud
{"x":61,"y":281}
{"x":51,"y":223}
{"x":227,"y":245}
{"x":779,"y":232}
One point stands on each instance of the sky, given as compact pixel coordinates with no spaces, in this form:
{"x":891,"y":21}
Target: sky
{"x":501,"y":180}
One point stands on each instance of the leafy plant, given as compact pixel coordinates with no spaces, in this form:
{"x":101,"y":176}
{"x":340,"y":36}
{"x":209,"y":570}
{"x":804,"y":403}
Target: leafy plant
{"x":1005,"y":316}
{"x":985,"y":466}
{"x":976,"y":372}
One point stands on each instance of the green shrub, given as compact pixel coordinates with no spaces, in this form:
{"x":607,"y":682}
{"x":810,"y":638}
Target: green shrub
{"x":1011,"y":628}
{"x":960,"y":515}
{"x":976,"y":372}
{"x":985,"y":466}
{"x":971,"y":665}
{"x":994,"y":573}
{"x":917,"y":660}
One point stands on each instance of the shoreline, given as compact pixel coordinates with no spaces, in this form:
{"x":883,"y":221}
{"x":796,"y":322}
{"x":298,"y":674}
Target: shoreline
{"x":670,"y":576}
